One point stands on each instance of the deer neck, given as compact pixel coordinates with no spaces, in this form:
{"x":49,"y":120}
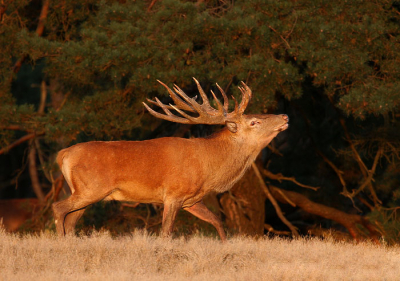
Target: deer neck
{"x":235,"y":156}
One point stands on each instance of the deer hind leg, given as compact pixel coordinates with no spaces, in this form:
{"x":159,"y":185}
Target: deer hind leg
{"x":200,"y":210}
{"x":71,"y":219}
{"x":75,"y":204}
{"x":169,"y":215}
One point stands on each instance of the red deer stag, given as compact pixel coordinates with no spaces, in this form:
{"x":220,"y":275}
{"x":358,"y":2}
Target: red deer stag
{"x":174,"y":171}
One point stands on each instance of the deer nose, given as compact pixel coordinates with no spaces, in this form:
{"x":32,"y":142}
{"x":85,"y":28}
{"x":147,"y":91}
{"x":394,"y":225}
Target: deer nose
{"x":285,"y":117}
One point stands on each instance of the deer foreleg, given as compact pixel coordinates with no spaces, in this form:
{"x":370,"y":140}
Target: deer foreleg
{"x":169,"y":215}
{"x":200,"y":210}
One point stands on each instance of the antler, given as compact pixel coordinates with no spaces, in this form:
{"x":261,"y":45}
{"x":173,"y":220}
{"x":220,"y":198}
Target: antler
{"x":207,"y":113}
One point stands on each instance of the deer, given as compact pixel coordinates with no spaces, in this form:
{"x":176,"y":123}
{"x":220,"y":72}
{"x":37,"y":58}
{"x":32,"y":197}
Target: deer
{"x":176,"y":172}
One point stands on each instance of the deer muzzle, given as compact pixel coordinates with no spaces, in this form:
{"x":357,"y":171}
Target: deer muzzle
{"x":285,"y":125}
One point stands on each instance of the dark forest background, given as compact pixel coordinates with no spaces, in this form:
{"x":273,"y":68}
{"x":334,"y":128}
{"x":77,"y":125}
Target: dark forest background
{"x":75,"y":71}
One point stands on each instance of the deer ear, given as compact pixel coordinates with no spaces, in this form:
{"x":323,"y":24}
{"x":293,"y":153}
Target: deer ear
{"x":232,"y":126}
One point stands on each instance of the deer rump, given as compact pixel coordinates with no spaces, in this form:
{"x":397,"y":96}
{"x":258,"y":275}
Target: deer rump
{"x":174,"y":171}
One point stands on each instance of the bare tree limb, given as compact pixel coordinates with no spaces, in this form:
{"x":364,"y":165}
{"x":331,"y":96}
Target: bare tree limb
{"x":37,"y":188}
{"x":153,"y":2}
{"x":364,"y":170}
{"x":14,"y":128}
{"x":279,"y":177}
{"x":365,"y":202}
{"x":41,"y":159}
{"x":39,"y":32}
{"x":269,"y":228}
{"x":350,"y":221}
{"x":338,"y":172}
{"x":18,"y":142}
{"x":43,"y":96}
{"x":284,"y":40}
{"x":34,"y":146}
{"x":42,"y":17}
{"x":362,"y":165}
{"x":274,"y":150}
{"x":3,"y":9}
{"x":273,"y":201}
{"x":370,"y":175}
{"x":286,"y":198}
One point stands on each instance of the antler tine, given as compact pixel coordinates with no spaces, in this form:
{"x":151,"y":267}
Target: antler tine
{"x":179,"y":103}
{"x":207,"y":113}
{"x":191,"y":101}
{"x":236,"y":105}
{"x":246,"y":96}
{"x":226,"y":101}
{"x":206,"y":102}
{"x":155,"y":103}
{"x":221,"y":109}
{"x":190,"y":118}
{"x":163,"y":106}
{"x":171,"y":118}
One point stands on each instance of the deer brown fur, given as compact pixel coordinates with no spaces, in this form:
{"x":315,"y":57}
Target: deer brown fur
{"x":177,"y":172}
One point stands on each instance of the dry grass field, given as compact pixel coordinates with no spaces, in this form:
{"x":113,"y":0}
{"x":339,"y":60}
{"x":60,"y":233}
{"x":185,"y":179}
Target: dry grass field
{"x":147,"y":257}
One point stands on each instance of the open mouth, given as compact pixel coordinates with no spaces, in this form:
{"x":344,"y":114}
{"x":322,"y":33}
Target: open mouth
{"x":283,"y":127}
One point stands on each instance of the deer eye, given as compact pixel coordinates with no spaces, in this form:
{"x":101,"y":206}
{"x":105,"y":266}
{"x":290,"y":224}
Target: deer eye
{"x":253,"y":123}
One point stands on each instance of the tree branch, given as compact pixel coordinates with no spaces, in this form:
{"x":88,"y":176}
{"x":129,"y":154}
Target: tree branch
{"x":273,"y":201}
{"x":3,"y":9}
{"x":39,"y":32}
{"x":42,"y":17}
{"x":364,"y":170}
{"x":151,"y":5}
{"x":370,"y":175}
{"x":16,"y":128}
{"x":319,"y":152}
{"x":279,"y":177}
{"x":37,"y":188}
{"x":269,"y":228}
{"x":350,"y":221}
{"x":336,"y":169}
{"x":362,"y":165}
{"x":18,"y":142}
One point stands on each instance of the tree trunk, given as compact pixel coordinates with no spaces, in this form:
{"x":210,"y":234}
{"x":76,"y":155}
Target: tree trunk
{"x":37,"y":188}
{"x":244,"y":206}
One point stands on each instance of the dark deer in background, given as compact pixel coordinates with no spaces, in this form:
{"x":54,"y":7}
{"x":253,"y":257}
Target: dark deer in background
{"x":177,"y":172}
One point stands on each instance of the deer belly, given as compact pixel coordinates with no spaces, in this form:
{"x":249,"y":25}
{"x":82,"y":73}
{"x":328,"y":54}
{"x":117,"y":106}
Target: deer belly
{"x":136,"y":193}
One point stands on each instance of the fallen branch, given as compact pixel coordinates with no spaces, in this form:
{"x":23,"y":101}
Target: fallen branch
{"x":269,"y":228}
{"x":350,"y":221}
